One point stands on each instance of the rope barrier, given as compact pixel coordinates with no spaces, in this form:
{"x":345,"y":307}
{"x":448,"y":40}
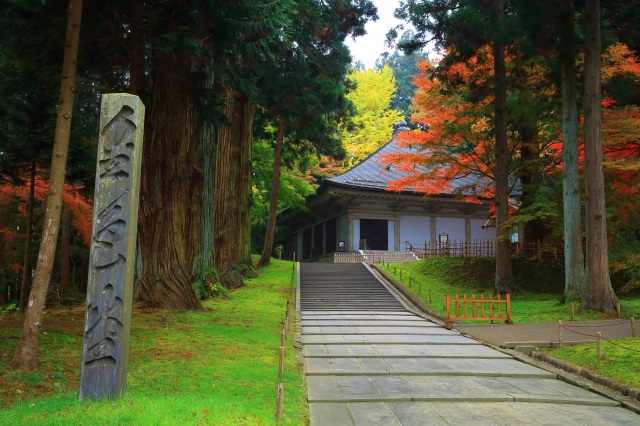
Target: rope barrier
{"x":620,"y":346}
{"x":605,"y":325}
{"x":577,"y":332}
{"x":596,"y":336}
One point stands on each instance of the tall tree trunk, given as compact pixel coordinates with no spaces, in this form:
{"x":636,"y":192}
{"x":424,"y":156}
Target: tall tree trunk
{"x":137,"y":82}
{"x":4,"y":225}
{"x":26,"y":263}
{"x":534,"y":230}
{"x":65,"y":249}
{"x":26,"y":357}
{"x":170,"y":187}
{"x":230,"y":188}
{"x":84,"y":274}
{"x":573,"y":255}
{"x":205,"y":258}
{"x":598,"y":294}
{"x":246,"y":193}
{"x":504,"y":281}
{"x":265,"y":259}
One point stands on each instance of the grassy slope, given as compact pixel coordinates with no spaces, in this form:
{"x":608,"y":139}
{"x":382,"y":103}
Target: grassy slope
{"x":539,"y":301}
{"x":620,"y":359}
{"x":218,"y":366}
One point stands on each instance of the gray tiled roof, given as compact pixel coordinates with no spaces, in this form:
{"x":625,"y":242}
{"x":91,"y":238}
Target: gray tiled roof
{"x":370,"y":174}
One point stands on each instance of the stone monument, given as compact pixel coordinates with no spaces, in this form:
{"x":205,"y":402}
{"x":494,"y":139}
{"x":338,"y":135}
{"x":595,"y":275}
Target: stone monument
{"x":105,"y":351}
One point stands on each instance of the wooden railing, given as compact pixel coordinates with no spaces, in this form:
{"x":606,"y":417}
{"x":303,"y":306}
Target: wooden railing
{"x":480,"y":248}
{"x":369,"y":257}
{"x":473,"y":309}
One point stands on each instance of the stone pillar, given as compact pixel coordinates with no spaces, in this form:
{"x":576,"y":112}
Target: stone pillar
{"x":105,"y":351}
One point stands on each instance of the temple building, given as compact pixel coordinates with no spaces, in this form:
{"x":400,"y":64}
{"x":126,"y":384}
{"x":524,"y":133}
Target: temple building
{"x":355,"y":211}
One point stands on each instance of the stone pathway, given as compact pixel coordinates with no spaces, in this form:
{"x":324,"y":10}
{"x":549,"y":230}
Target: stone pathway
{"x":384,"y":365}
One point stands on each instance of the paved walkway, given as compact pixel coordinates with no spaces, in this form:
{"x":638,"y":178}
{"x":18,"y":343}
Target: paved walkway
{"x":388,"y":366}
{"x":546,"y":334}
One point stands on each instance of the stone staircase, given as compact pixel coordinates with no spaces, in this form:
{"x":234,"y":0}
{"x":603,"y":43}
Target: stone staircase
{"x":343,"y":287}
{"x":369,"y":361}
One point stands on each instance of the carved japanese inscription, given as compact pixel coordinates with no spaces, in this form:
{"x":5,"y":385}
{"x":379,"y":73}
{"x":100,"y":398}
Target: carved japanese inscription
{"x":108,"y":313}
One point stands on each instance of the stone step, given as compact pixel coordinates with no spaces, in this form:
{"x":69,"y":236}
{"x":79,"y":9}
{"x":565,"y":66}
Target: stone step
{"x":401,"y":351}
{"x":421,"y":367}
{"x":367,"y":323}
{"x":379,"y":330}
{"x":442,"y":413}
{"x":338,"y":339}
{"x":448,"y":388}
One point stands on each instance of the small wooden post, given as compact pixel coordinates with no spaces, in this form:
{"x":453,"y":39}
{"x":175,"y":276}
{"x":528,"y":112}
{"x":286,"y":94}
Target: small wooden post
{"x":447,"y":306}
{"x":599,"y":338}
{"x":281,"y":369}
{"x":559,"y":333}
{"x":430,"y":300}
{"x":280,"y":400}
{"x":633,"y":327}
{"x":572,"y":312}
{"x":618,"y":309}
{"x":409,"y":281}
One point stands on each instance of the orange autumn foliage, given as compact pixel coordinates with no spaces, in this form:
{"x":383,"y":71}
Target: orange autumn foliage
{"x":456,"y":153}
{"x":80,"y":207}
{"x":459,"y":143}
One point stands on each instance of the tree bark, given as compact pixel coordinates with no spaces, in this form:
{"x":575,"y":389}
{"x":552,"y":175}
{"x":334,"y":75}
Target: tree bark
{"x":245,"y":190}
{"x":170,"y":187}
{"x":230,"y":224}
{"x":598,"y":294}
{"x":535,"y":230}
{"x":4,"y":225}
{"x":26,"y":357}
{"x":504,"y":281}
{"x":206,"y":263}
{"x":84,"y":274}
{"x":65,"y":249}
{"x":573,"y":254}
{"x":265,"y":259}
{"x":26,"y":263}
{"x":137,"y":82}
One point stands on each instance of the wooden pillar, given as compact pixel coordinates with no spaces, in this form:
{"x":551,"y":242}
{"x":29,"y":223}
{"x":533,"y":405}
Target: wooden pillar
{"x":467,"y":229}
{"x":432,"y":229}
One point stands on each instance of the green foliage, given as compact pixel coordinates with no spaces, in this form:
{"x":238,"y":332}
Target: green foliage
{"x":625,"y":260}
{"x":294,"y":188}
{"x":404,"y":69}
{"x":208,"y":286}
{"x":9,"y":307}
{"x":545,"y":205}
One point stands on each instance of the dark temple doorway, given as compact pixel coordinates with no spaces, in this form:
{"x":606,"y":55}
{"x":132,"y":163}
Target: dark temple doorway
{"x":374,"y":231}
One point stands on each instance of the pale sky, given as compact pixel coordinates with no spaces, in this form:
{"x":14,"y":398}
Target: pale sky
{"x":368,"y":47}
